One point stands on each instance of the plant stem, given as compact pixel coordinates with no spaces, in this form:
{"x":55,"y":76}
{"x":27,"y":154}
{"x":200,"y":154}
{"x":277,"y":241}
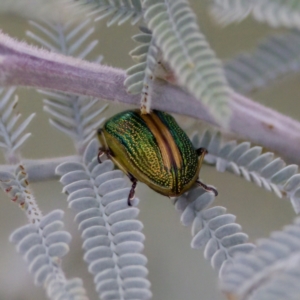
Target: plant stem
{"x":24,"y":65}
{"x":41,"y":169}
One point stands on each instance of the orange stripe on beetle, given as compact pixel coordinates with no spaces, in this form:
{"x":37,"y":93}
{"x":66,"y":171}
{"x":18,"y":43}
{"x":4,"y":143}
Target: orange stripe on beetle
{"x":163,"y":147}
{"x":169,"y":151}
{"x":175,"y":153}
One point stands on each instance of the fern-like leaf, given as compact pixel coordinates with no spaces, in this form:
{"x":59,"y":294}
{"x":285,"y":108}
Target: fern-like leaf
{"x":275,"y":13}
{"x":42,"y":242}
{"x":68,"y":38}
{"x":76,"y":116}
{"x":15,"y":184}
{"x":185,"y":48}
{"x":228,"y":11}
{"x":111,"y":234}
{"x":212,"y":228}
{"x":249,"y":162}
{"x":52,"y":11}
{"x":12,"y":135}
{"x":140,"y":77}
{"x":120,"y":11}
{"x":275,"y":57}
{"x":42,"y":245}
{"x":270,"y":272}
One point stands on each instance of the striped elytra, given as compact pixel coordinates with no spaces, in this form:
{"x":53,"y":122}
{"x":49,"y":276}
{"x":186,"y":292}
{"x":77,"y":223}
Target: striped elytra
{"x":153,"y":149}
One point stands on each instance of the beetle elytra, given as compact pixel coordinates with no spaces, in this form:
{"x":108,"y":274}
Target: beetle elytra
{"x":153,"y":149}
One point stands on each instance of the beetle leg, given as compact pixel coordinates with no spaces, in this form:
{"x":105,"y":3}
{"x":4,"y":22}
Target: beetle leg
{"x":207,"y":188}
{"x":201,"y":150}
{"x":100,"y":153}
{"x":132,"y":191}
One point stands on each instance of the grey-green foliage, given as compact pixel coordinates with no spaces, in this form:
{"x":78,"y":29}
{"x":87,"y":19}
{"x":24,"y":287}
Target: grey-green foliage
{"x":177,"y":38}
{"x":212,"y":228}
{"x":271,"y":271}
{"x":12,"y":135}
{"x":275,"y":13}
{"x":15,"y":184}
{"x":119,"y":11}
{"x":42,"y":245}
{"x":112,"y":235}
{"x":69,"y":38}
{"x":249,"y":162}
{"x":140,"y":77}
{"x":42,"y":242}
{"x":276,"y":56}
{"x":185,"y":48}
{"x":53,"y":10}
{"x":112,"y":238}
{"x":76,"y":116}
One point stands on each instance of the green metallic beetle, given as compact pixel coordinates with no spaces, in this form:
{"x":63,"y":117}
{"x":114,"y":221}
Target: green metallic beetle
{"x":153,"y":149}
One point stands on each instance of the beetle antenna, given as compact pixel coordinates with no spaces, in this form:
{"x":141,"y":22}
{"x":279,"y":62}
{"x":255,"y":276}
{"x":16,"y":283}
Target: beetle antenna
{"x":207,"y":188}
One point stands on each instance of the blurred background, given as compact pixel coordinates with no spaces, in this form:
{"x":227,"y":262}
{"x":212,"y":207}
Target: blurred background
{"x":175,"y":270}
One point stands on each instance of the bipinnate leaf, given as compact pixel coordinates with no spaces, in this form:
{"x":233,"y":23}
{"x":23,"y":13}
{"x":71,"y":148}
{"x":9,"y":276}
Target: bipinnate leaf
{"x":120,"y":11}
{"x":76,"y":116}
{"x":212,"y":228}
{"x":251,"y":163}
{"x":269,"y":272}
{"x":112,"y":238}
{"x":12,"y":135}
{"x":275,"y":13}
{"x":184,"y":47}
{"x":141,"y":76}
{"x":275,"y":57}
{"x":42,"y":245}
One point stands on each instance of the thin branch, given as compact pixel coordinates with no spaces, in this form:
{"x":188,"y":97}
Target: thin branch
{"x":24,"y":65}
{"x":41,"y":169}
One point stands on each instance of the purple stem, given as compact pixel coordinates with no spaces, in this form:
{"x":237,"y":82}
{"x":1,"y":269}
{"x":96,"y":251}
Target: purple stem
{"x":24,"y":65}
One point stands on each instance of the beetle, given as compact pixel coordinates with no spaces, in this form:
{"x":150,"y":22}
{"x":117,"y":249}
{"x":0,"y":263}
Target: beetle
{"x":153,"y":149}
